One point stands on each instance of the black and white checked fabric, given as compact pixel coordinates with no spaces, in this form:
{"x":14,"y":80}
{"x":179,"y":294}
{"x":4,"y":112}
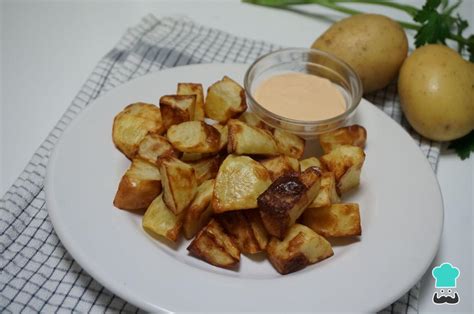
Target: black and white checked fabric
{"x":37,"y":273}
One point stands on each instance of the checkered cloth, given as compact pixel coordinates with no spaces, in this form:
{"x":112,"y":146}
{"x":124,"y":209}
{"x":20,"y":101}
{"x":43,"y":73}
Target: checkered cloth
{"x":37,"y":273}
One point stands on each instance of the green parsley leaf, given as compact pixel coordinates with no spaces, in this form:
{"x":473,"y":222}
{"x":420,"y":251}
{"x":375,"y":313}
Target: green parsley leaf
{"x":463,"y":146}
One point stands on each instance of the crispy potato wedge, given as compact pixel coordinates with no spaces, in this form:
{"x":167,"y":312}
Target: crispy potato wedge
{"x":179,"y":183}
{"x":337,"y":220}
{"x":280,"y":165}
{"x":153,"y":146}
{"x":239,"y":227}
{"x":310,"y":162}
{"x":224,"y":131}
{"x":289,"y":144}
{"x":132,"y":124}
{"x":160,"y":221}
{"x":286,"y":199}
{"x":214,"y":246}
{"x":300,"y":248}
{"x":206,"y":169}
{"x":247,"y":140}
{"x":346,"y":163}
{"x":176,"y":109}
{"x":240,"y":180}
{"x":251,"y":119}
{"x":194,"y":137}
{"x":225,"y":100}
{"x":259,"y":231}
{"x":139,"y":186}
{"x":327,"y":194}
{"x":199,"y":212}
{"x":354,"y":135}
{"x":194,"y":89}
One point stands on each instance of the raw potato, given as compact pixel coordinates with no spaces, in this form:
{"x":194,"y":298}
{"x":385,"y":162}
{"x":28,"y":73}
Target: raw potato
{"x":194,"y":137}
{"x":159,"y":221}
{"x":280,"y":165}
{"x":300,"y":248}
{"x":199,"y":211}
{"x":154,"y":146}
{"x":354,"y":135}
{"x":373,"y":45}
{"x":286,"y":199}
{"x":194,"y":89}
{"x":239,"y":182}
{"x":214,"y":246}
{"x":225,"y":100}
{"x":337,"y":220}
{"x":437,"y":94}
{"x":346,"y":163}
{"x":132,"y":124}
{"x":176,"y":109}
{"x":248,"y":140}
{"x":289,"y":144}
{"x":179,"y":183}
{"x":139,"y":186}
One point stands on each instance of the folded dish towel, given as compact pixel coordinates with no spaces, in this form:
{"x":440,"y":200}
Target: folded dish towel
{"x":37,"y":273}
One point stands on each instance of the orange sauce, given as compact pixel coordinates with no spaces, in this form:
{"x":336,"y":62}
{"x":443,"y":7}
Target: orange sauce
{"x":300,"y":96}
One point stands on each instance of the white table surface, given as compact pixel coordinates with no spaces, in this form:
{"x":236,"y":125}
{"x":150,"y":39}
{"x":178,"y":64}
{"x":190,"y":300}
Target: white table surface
{"x":49,"y":48}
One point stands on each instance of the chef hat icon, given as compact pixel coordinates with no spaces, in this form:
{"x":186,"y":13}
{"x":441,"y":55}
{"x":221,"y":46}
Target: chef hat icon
{"x":445,"y":275}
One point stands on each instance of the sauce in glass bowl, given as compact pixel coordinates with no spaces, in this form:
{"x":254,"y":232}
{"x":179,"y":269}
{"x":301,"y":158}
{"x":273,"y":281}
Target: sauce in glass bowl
{"x":300,"y":96}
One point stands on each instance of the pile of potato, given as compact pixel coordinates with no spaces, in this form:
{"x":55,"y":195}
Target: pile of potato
{"x":236,"y":186}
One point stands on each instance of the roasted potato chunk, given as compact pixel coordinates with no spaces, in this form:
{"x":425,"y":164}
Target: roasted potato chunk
{"x":280,"y":165}
{"x":247,"y":140}
{"x":239,"y":227}
{"x":132,"y":124}
{"x":327,"y":194}
{"x":286,"y":199}
{"x":139,"y":186}
{"x":176,"y":109}
{"x":188,"y":157}
{"x":199,"y":212}
{"x":159,"y":220}
{"x":206,"y":169}
{"x":300,"y":248}
{"x":289,"y":144}
{"x":194,"y":137}
{"x":251,"y":119}
{"x":153,"y":146}
{"x":337,"y":220}
{"x":224,"y":131}
{"x":179,"y":183}
{"x":194,"y":89}
{"x":214,"y":246}
{"x":346,"y":163}
{"x":225,"y":100}
{"x":310,"y":162}
{"x":240,"y":180}
{"x":354,"y":135}
{"x":259,"y":231}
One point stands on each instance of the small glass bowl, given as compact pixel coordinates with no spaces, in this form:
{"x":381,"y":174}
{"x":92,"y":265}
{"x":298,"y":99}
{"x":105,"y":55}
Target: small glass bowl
{"x":310,"y":61}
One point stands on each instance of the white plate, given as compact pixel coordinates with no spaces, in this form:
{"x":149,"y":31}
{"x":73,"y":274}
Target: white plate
{"x":400,"y":201}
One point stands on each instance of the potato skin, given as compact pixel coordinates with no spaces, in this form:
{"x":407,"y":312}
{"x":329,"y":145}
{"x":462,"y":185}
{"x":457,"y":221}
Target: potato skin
{"x":372,"y":44}
{"x":436,"y":88}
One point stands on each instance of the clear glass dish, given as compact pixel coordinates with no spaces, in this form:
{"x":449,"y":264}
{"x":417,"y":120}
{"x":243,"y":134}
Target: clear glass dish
{"x":310,"y":61}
